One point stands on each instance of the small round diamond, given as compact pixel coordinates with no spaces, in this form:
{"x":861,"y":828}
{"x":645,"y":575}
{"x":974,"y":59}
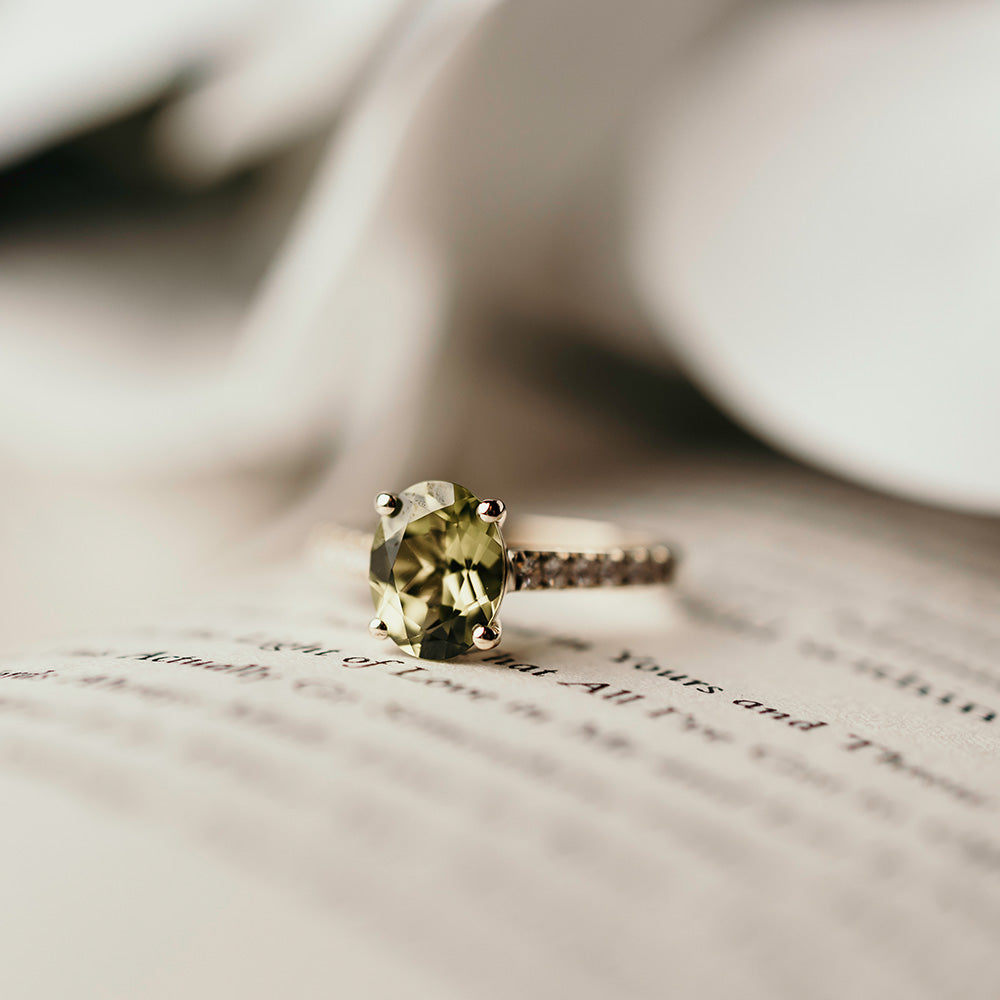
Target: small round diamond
{"x":529,"y":570}
{"x":613,"y":569}
{"x":556,"y":570}
{"x":587,"y":570}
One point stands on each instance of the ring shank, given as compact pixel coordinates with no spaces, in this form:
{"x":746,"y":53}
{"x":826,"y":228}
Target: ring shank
{"x":556,"y":553}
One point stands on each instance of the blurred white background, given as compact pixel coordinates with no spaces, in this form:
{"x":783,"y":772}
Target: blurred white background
{"x":260,"y":260}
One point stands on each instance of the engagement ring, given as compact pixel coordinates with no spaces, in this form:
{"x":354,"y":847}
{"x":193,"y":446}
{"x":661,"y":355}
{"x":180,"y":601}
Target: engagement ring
{"x":440,"y":566}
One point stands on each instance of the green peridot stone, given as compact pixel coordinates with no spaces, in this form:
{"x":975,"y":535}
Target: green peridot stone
{"x":437,"y":570}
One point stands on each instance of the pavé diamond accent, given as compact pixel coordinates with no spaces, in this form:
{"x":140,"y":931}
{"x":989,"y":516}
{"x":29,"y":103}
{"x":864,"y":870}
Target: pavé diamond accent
{"x":536,"y":570}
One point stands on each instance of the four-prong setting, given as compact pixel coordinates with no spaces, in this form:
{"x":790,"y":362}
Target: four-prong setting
{"x":439,"y":569}
{"x":487,"y":636}
{"x":387,"y":504}
{"x":492,"y":511}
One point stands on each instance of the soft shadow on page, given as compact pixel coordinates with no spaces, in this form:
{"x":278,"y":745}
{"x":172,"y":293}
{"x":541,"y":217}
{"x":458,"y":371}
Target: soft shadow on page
{"x":778,"y":781}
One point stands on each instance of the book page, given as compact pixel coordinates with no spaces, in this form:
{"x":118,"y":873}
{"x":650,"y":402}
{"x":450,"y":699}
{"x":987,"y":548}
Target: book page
{"x":778,"y":779}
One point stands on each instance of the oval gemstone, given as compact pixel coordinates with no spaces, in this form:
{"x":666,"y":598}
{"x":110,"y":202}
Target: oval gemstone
{"x":437,"y":570}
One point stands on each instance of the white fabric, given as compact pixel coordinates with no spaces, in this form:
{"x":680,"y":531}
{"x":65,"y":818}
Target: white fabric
{"x":799,"y":201}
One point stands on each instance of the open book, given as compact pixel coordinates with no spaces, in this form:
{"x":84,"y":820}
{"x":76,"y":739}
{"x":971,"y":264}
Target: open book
{"x":779,"y":779}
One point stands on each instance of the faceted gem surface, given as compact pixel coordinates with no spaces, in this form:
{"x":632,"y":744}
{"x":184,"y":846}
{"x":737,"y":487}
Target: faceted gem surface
{"x":437,"y":571}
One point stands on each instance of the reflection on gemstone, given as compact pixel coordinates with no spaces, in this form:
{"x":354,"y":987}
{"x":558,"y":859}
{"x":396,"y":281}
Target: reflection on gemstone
{"x":437,"y":570}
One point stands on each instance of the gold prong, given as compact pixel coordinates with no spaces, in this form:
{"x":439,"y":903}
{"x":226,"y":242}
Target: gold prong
{"x":487,"y":636}
{"x":387,"y":504}
{"x":492,"y":511}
